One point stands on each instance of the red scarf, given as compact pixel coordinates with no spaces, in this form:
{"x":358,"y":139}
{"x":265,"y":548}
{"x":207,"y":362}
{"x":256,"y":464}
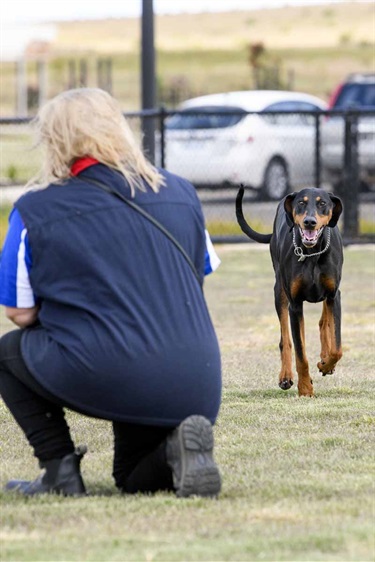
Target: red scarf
{"x":81,"y":164}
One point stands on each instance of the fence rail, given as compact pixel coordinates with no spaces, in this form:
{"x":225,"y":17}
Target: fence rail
{"x":329,"y":149}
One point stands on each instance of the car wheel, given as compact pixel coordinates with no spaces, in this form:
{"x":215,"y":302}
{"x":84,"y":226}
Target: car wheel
{"x":276,"y":182}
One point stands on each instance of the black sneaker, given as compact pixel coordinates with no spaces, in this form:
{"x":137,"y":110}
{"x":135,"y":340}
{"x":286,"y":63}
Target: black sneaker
{"x":190,"y":455}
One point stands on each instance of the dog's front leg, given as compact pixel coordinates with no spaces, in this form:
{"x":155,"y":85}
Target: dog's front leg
{"x":305,"y":387}
{"x":285,"y":345}
{"x":330,"y":335}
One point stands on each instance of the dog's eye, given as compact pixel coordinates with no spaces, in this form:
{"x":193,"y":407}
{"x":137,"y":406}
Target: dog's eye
{"x":302,"y":203}
{"x":322,"y":203}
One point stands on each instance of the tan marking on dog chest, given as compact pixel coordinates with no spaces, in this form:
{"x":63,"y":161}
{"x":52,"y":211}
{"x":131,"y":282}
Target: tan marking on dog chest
{"x":328,"y":282}
{"x":296,"y":286}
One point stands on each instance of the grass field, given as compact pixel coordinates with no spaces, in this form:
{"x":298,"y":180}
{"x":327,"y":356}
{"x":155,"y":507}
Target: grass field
{"x":298,"y":474}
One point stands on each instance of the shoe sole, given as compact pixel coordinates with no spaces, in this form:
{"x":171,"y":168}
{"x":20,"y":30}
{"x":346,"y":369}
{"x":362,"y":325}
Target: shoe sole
{"x":199,"y":473}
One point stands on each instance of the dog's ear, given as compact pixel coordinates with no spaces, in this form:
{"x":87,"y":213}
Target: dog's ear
{"x":337,"y":209}
{"x":288,"y":206}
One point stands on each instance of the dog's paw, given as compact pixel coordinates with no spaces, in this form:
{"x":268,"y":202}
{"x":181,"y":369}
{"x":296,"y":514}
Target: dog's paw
{"x":325,"y":369}
{"x":305,"y":388}
{"x":286,"y":384}
{"x":306,"y":394}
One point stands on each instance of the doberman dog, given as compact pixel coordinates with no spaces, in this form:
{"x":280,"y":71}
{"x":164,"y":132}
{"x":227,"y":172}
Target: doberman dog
{"x":307,"y":256}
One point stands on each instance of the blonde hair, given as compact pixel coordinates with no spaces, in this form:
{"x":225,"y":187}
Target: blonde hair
{"x":90,"y":122}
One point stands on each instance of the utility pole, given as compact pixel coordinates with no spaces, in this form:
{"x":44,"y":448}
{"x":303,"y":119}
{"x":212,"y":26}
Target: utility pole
{"x":148,"y":77}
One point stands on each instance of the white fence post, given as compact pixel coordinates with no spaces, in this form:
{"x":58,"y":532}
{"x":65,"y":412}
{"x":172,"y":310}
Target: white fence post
{"x":21,"y":88}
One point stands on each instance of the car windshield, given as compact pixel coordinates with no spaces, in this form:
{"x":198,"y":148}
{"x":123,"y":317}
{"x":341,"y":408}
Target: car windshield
{"x":356,"y":96}
{"x":206,"y":117}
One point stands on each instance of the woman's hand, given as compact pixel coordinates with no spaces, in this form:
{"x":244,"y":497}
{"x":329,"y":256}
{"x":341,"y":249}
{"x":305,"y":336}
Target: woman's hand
{"x":22,"y":317}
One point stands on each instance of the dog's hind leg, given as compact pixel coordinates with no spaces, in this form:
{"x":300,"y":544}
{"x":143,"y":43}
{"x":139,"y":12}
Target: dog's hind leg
{"x":330,"y":335}
{"x":281,"y":304}
{"x":305,"y":386}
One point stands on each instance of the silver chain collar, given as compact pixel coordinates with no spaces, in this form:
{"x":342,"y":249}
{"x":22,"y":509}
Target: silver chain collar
{"x":299,"y":252}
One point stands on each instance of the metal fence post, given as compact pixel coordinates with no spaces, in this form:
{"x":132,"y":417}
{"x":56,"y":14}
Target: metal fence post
{"x":162,"y":114}
{"x":317,"y":151}
{"x":351,"y":177}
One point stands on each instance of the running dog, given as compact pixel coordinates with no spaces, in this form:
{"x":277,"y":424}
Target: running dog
{"x":307,"y":257}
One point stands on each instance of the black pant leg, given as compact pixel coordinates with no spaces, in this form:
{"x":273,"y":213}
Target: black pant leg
{"x":38,"y":414}
{"x":140,"y":458}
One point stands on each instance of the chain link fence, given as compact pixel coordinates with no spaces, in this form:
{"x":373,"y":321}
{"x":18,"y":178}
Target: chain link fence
{"x":270,"y":153}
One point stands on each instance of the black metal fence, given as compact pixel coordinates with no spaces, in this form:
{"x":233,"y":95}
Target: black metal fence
{"x":268,"y":152}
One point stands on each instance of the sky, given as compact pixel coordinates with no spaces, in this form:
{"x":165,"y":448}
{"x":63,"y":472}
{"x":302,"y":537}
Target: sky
{"x":37,"y":11}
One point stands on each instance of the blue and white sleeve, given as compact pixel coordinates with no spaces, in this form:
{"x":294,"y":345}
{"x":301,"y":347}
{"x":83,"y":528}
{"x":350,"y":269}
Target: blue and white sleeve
{"x":15,"y":265}
{"x":211,"y":261}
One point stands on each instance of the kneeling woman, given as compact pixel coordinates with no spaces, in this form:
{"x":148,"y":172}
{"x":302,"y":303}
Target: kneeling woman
{"x":102,"y":271}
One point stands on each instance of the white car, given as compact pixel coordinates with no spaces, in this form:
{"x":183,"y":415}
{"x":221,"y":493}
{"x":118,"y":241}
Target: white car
{"x":272,"y":153}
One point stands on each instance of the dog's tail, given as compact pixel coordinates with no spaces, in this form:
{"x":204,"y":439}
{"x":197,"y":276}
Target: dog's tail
{"x":257,"y":236}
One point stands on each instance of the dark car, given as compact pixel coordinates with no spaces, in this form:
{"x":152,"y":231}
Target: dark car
{"x":357,"y":93}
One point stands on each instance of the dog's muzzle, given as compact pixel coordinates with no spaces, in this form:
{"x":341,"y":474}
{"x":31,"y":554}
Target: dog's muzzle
{"x":309,"y":238}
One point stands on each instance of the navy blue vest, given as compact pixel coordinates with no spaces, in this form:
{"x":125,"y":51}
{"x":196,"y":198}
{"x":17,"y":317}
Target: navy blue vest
{"x":124,"y":332}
